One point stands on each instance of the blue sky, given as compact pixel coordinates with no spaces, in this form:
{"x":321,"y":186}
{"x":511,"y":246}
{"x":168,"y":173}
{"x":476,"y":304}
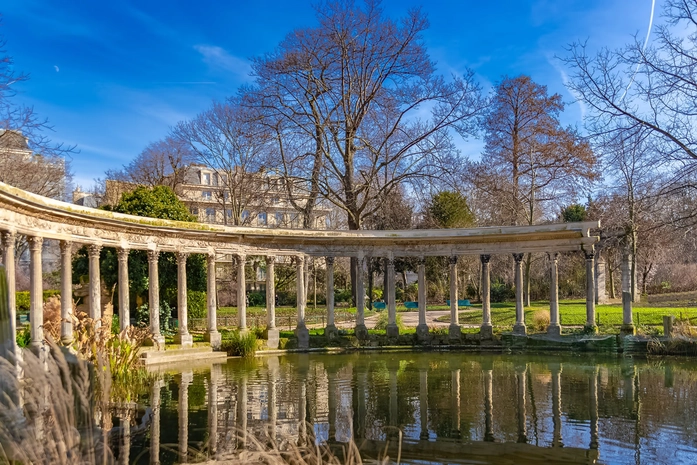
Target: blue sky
{"x":113,"y":76}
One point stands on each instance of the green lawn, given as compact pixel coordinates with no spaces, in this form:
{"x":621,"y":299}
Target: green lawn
{"x":573,"y":313}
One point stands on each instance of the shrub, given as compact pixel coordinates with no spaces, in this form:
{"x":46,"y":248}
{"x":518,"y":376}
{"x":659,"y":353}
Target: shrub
{"x":242,"y":344}
{"x":197,"y":304}
{"x":286,"y":298}
{"x":256,"y":299}
{"x":383,"y":320}
{"x":23,"y":337}
{"x":342,"y":295}
{"x":501,"y":292}
{"x":540,"y":320}
{"x":143,"y":317}
{"x":23,"y":300}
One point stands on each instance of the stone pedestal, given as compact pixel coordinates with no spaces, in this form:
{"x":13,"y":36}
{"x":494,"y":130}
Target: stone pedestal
{"x":554,"y":330}
{"x":392,"y":330}
{"x":331,"y":332}
{"x":486,"y":332}
{"x":185,"y":339}
{"x":627,"y":330}
{"x":361,"y":332}
{"x":422,"y":333}
{"x":214,"y":338}
{"x":520,"y":330}
{"x":157,"y":340}
{"x":454,"y":333}
{"x":590,"y":329}
{"x":303,"y":335}
{"x":272,"y":338}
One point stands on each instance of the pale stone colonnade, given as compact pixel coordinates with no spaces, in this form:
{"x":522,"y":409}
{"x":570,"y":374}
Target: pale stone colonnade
{"x":40,"y":218}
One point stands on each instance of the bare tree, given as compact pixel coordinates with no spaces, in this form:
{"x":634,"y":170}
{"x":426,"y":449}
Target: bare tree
{"x":162,"y":163}
{"x":226,"y":139}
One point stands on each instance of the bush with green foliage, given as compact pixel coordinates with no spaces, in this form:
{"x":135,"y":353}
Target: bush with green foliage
{"x":342,"y":295}
{"x":383,"y":320}
{"x":501,"y":292}
{"x":197,"y":304}
{"x":240,"y":344}
{"x":286,"y":298}
{"x":23,"y":337}
{"x":256,"y":299}
{"x":23,"y":300}
{"x":142,"y":317}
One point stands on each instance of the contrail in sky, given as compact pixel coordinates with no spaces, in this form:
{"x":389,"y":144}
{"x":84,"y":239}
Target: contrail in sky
{"x":646,"y":42}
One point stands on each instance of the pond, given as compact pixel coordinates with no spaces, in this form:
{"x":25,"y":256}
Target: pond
{"x":425,"y":407}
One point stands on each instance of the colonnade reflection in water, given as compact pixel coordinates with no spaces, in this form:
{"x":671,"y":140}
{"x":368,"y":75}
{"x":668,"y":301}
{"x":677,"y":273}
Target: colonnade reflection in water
{"x":448,"y":407}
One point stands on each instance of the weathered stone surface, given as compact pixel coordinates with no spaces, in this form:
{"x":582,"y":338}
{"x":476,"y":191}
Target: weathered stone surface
{"x":272,"y":338}
{"x":392,"y":330}
{"x":303,"y":336}
{"x":214,"y":338}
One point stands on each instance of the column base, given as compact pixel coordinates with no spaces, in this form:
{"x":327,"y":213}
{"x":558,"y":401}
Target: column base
{"x":486,"y":332}
{"x":331,"y":332}
{"x":214,"y":338}
{"x":361,"y":332}
{"x":454,"y":333}
{"x":272,"y":338}
{"x":422,"y":333}
{"x":392,"y":330}
{"x":554,"y":330}
{"x":303,"y":335}
{"x":186,"y":340}
{"x":590,"y":329}
{"x":520,"y":329}
{"x":67,"y":340}
{"x":157,"y":340}
{"x":627,"y":330}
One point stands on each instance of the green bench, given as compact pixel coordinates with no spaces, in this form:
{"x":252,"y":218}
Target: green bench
{"x":411,"y":305}
{"x":379,"y":305}
{"x":460,"y":303}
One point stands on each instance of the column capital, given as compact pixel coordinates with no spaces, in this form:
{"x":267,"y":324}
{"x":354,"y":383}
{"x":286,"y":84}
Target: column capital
{"x":153,"y":255}
{"x":66,"y":247}
{"x":35,"y":242}
{"x":122,"y":254}
{"x":518,"y":257}
{"x":389,"y":262}
{"x":182,"y":256}
{"x":9,"y":238}
{"x":421,"y":261}
{"x":239,"y":257}
{"x":554,"y":256}
{"x":93,"y":250}
{"x":330,"y":261}
{"x":589,"y":253}
{"x":485,"y":259}
{"x":452,"y":260}
{"x":210,"y":255}
{"x":270,"y":259}
{"x":300,"y":259}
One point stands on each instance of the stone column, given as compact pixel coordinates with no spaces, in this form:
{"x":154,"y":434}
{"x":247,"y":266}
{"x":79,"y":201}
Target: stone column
{"x":213,"y":411}
{"x":182,"y":337}
{"x":242,"y":412}
{"x":521,"y":376}
{"x":186,"y":378}
{"x":627,"y":328}
{"x":600,"y":284}
{"x":124,"y":297}
{"x":422,"y":329}
{"x":241,"y":293}
{"x":392,"y":329}
{"x":66,"y":292}
{"x":361,"y":331}
{"x":423,"y":403}
{"x":301,"y":331}
{"x":556,"y":404}
{"x":487,"y":368}
{"x":272,"y":339}
{"x":273,"y":367}
{"x":9,"y":243}
{"x":361,"y":401}
{"x":454,"y":332}
{"x":36,"y":309}
{"x":125,"y":416}
{"x":519,"y":327}
{"x":393,"y":417}
{"x":93,"y":251}
{"x":330,"y":331}
{"x":155,"y":394}
{"x":487,"y":330}
{"x":554,"y":328}
{"x":156,"y":338}
{"x":590,"y":325}
{"x":212,"y":335}
{"x":455,"y":402}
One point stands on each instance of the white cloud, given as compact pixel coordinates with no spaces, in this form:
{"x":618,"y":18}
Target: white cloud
{"x":56,"y":68}
{"x":218,"y":57}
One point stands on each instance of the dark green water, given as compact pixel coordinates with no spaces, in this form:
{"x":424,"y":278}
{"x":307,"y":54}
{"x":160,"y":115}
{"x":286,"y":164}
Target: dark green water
{"x":449,"y":407}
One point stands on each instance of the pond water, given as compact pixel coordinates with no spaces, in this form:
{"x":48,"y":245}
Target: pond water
{"x":426,"y":407}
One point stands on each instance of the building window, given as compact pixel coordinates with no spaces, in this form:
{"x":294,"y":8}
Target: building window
{"x":245,"y":215}
{"x":228,"y":212}
{"x":261,"y":219}
{"x":276,"y":200}
{"x":279,"y":218}
{"x":206,"y":195}
{"x":194,"y":211}
{"x":295,"y":220}
{"x":206,"y":179}
{"x":210,"y":215}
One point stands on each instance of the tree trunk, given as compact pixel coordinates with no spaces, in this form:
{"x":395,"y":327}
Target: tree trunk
{"x":611,"y":275}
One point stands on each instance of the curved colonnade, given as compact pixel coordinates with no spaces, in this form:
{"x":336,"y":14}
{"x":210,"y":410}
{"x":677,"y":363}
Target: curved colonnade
{"x":39,"y":218}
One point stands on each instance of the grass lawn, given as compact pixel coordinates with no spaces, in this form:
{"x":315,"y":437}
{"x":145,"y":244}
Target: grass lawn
{"x":573,"y":313}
